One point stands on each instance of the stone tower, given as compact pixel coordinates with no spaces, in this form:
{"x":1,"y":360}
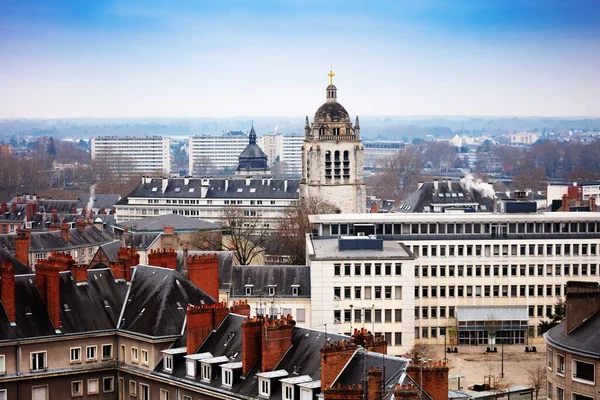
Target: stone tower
{"x":332,"y":157}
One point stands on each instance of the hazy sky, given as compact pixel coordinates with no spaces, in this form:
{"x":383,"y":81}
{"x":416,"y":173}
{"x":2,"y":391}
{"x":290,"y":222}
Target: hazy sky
{"x":230,"y":58}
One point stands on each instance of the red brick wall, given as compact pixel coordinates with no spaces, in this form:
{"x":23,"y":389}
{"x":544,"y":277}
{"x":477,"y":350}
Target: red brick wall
{"x":79,"y":272}
{"x":374,"y":381}
{"x":334,"y":358}
{"x":435,"y":379}
{"x":241,"y":307}
{"x":344,"y":393}
{"x":22,"y":245}
{"x":47,"y":282}
{"x":166,"y":258}
{"x":251,"y":343}
{"x":203,"y":271}
{"x":198,"y":326}
{"x":276,"y":340}
{"x":7,"y":282}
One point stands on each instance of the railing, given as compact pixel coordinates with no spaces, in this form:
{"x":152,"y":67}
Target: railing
{"x":337,"y":137}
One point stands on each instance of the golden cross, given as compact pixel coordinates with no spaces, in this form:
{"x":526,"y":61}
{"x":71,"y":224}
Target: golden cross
{"x":330,"y":75}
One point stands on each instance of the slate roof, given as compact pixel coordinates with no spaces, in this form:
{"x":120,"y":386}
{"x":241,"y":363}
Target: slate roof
{"x":157,"y":300}
{"x":225,"y":265}
{"x":18,"y":216}
{"x":284,"y":276}
{"x":61,"y":206}
{"x":20,"y":268}
{"x":179,"y":222}
{"x":141,"y":241}
{"x":111,"y":250}
{"x":53,"y":241}
{"x":236,"y":188}
{"x":106,"y":201}
{"x":585,"y":339}
{"x":362,"y":361}
{"x":421,"y":199}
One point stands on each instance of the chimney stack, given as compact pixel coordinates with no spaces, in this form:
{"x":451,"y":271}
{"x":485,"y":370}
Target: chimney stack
{"x":251,"y":332}
{"x":241,"y":308}
{"x":593,"y":203}
{"x":200,"y":321}
{"x":374,"y":207}
{"x":22,"y":243}
{"x":7,"y":286}
{"x":334,"y":357}
{"x":374,"y":384}
{"x":166,"y":258}
{"x":582,"y":300}
{"x":79,"y":272}
{"x":3,"y":208}
{"x":203,"y":271}
{"x":47,"y":281}
{"x":435,"y":378}
{"x":565,"y":203}
{"x":13,"y":207}
{"x":73,"y":209}
{"x":54,"y":219}
{"x":80,"y":225}
{"x":127,"y":258}
{"x":66,"y":232}
{"x":276,"y":341}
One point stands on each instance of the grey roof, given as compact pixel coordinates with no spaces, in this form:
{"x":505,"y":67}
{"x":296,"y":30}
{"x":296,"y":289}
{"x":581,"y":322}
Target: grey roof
{"x":225,"y":265}
{"x":106,"y":201}
{"x":284,"y":276}
{"x":141,"y":241}
{"x":179,"y":222}
{"x":157,"y":300}
{"x":215,"y":189}
{"x":585,"y":339}
{"x":18,"y":216}
{"x":61,"y":206}
{"x":362,"y":361}
{"x":111,"y":250}
{"x":19,"y":267}
{"x":421,"y":200}
{"x":53,"y":241}
{"x":332,"y":112}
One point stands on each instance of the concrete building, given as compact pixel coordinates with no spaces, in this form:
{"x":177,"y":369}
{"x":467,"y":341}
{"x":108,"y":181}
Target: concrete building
{"x":524,"y":138}
{"x":286,"y":149}
{"x":453,"y":266}
{"x":573,"y":349}
{"x":376,"y":150}
{"x":216,"y":155}
{"x":149,"y":154}
{"x":578,"y":190}
{"x":332,"y":158}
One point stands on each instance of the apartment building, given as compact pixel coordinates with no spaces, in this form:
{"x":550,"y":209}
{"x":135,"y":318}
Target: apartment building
{"x":68,"y":331}
{"x":216,"y":155}
{"x":205,"y":198}
{"x":286,"y":149}
{"x":133,"y":154}
{"x":376,"y":150}
{"x":525,"y":138}
{"x":573,"y":351}
{"x":466,"y":278}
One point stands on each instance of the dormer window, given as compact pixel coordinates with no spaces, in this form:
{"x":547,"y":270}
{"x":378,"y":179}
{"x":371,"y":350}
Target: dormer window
{"x":272,"y":290}
{"x":168,"y":363}
{"x":288,"y":392}
{"x":249,"y":290}
{"x":295,"y":290}
{"x":264,"y":387}
{"x":190,"y":368}
{"x":227,"y":377}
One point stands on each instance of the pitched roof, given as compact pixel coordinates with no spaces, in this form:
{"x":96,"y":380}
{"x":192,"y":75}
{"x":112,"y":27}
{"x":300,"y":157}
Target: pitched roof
{"x":362,"y":361}
{"x":19,"y":267}
{"x":106,"y":201}
{"x":225,"y":265}
{"x":61,"y":206}
{"x":584,"y":339}
{"x":283,"y":276}
{"x":179,"y":222}
{"x":18,"y":216}
{"x":157,"y":300}
{"x":141,"y":241}
{"x":53,"y":240}
{"x":448,"y":194}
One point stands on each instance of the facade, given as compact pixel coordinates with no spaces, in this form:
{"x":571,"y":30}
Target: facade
{"x":573,"y":350}
{"x":215,"y":155}
{"x":515,"y":265}
{"x":149,"y":154}
{"x":205,"y":198}
{"x":252,"y":161}
{"x":525,"y":138}
{"x":376,"y":150}
{"x":332,"y":157}
{"x":286,"y":149}
{"x":578,"y":190}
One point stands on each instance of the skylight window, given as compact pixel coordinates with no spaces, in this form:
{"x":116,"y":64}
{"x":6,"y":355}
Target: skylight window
{"x":154,"y":189}
{"x":252,"y":190}
{"x":178,"y":189}
{"x":191,"y":190}
{"x":454,"y":195}
{"x":240,"y":190}
{"x":461,"y":195}
{"x":447,"y":194}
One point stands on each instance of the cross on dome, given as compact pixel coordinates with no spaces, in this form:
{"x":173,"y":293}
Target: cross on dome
{"x":331,"y":75}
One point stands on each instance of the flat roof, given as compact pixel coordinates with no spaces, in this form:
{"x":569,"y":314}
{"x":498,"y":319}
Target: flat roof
{"x":328,"y":249}
{"x":398,"y":218}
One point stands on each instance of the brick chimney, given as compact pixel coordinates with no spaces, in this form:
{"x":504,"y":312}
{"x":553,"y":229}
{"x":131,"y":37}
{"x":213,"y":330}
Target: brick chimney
{"x":251,"y":342}
{"x":363,"y":337}
{"x":30,"y":210}
{"x":169,"y":230}
{"x":435,"y":378}
{"x":66,"y":232}
{"x":380,"y":345}
{"x":79,"y":272}
{"x":127,"y":258}
{"x":582,"y":300}
{"x":22,"y":243}
{"x":334,"y":357}
{"x":565,"y":203}
{"x":54,"y":219}
{"x":3,"y":208}
{"x":54,"y":227}
{"x":166,"y":258}
{"x":241,"y":308}
{"x":203,"y":271}
{"x":80,"y":224}
{"x":276,"y":341}
{"x":374,"y":384}
{"x":593,"y":203}
{"x":344,"y":392}
{"x":13,"y":207}
{"x":47,"y":281}
{"x":7,"y":286}
{"x":200,"y":321}
{"x":73,"y":209}
{"x":374,"y":207}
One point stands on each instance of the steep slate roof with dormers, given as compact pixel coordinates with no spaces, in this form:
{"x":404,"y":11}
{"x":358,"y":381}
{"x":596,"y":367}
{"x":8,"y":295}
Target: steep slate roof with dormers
{"x":261,"y":277}
{"x":157,"y":224}
{"x":421,"y":199}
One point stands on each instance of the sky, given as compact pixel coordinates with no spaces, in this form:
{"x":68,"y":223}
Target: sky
{"x":222,"y":58}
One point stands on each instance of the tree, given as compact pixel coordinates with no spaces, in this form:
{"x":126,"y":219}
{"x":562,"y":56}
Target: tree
{"x":397,"y":175}
{"x":421,"y":351}
{"x":290,"y":238}
{"x":537,"y":378}
{"x":243,"y":232}
{"x":556,"y":318}
{"x":51,"y":146}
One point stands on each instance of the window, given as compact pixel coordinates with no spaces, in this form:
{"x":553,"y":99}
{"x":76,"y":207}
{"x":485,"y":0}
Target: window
{"x":190,"y":368}
{"x":378,"y":292}
{"x":388,"y":292}
{"x":107,"y":351}
{"x":134,"y":355}
{"x":168,"y":366}
{"x":271,"y":290}
{"x":75,"y":355}
{"x":337,"y":293}
{"x":560,"y":393}
{"x":549,"y":390}
{"x":583,"y":371}
{"x":398,"y":315}
{"x":227,"y":377}
{"x":347,"y":269}
{"x":164,"y":394}
{"x":76,"y":388}
{"x":108,"y":384}
{"x":388,"y":316}
{"x":132,"y":388}
{"x":39,"y":392}
{"x":264,"y":387}
{"x":549,"y":356}
{"x":398,"y":269}
{"x":397,"y":292}
{"x":38,"y":361}
{"x":288,"y":392}
{"x":347,"y":291}
{"x":92,"y":386}
{"x":144,"y":392}
{"x":560,"y":364}
{"x":357,"y":292}
{"x":377,"y":315}
{"x":337,"y":269}
{"x":144,"y":357}
{"x":90,"y":353}
{"x":300,"y":314}
{"x":337,"y":316}
{"x":2,"y":366}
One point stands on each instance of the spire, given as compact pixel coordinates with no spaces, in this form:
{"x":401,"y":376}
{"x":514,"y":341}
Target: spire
{"x":357,"y":128}
{"x":356,"y":124}
{"x":252,"y":138}
{"x":306,"y":127}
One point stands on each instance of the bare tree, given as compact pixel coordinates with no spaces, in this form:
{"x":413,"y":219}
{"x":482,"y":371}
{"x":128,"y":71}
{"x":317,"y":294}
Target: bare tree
{"x":290,"y":238}
{"x":421,"y":351}
{"x":203,"y":166}
{"x":536,"y":378}
{"x":396,"y":175}
{"x":534,"y":179}
{"x":243,"y":232}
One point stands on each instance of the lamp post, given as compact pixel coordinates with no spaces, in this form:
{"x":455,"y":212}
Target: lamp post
{"x":351,"y":317}
{"x":445,"y":359}
{"x":502,"y":364}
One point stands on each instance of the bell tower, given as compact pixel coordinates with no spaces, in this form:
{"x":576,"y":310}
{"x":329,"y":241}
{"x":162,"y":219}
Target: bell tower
{"x":333,"y":156}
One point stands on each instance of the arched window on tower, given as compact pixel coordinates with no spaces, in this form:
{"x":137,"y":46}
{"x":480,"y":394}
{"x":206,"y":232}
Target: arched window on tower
{"x":346,"y":164}
{"x":336,"y":131}
{"x":322,"y":131}
{"x":328,"y":164}
{"x":337,"y":172}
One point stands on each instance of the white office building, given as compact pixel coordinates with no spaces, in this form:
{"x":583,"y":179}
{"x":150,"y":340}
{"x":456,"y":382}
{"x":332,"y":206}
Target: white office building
{"x":216,"y":155}
{"x":132,"y":154}
{"x":286,"y":149}
{"x":473,"y":278}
